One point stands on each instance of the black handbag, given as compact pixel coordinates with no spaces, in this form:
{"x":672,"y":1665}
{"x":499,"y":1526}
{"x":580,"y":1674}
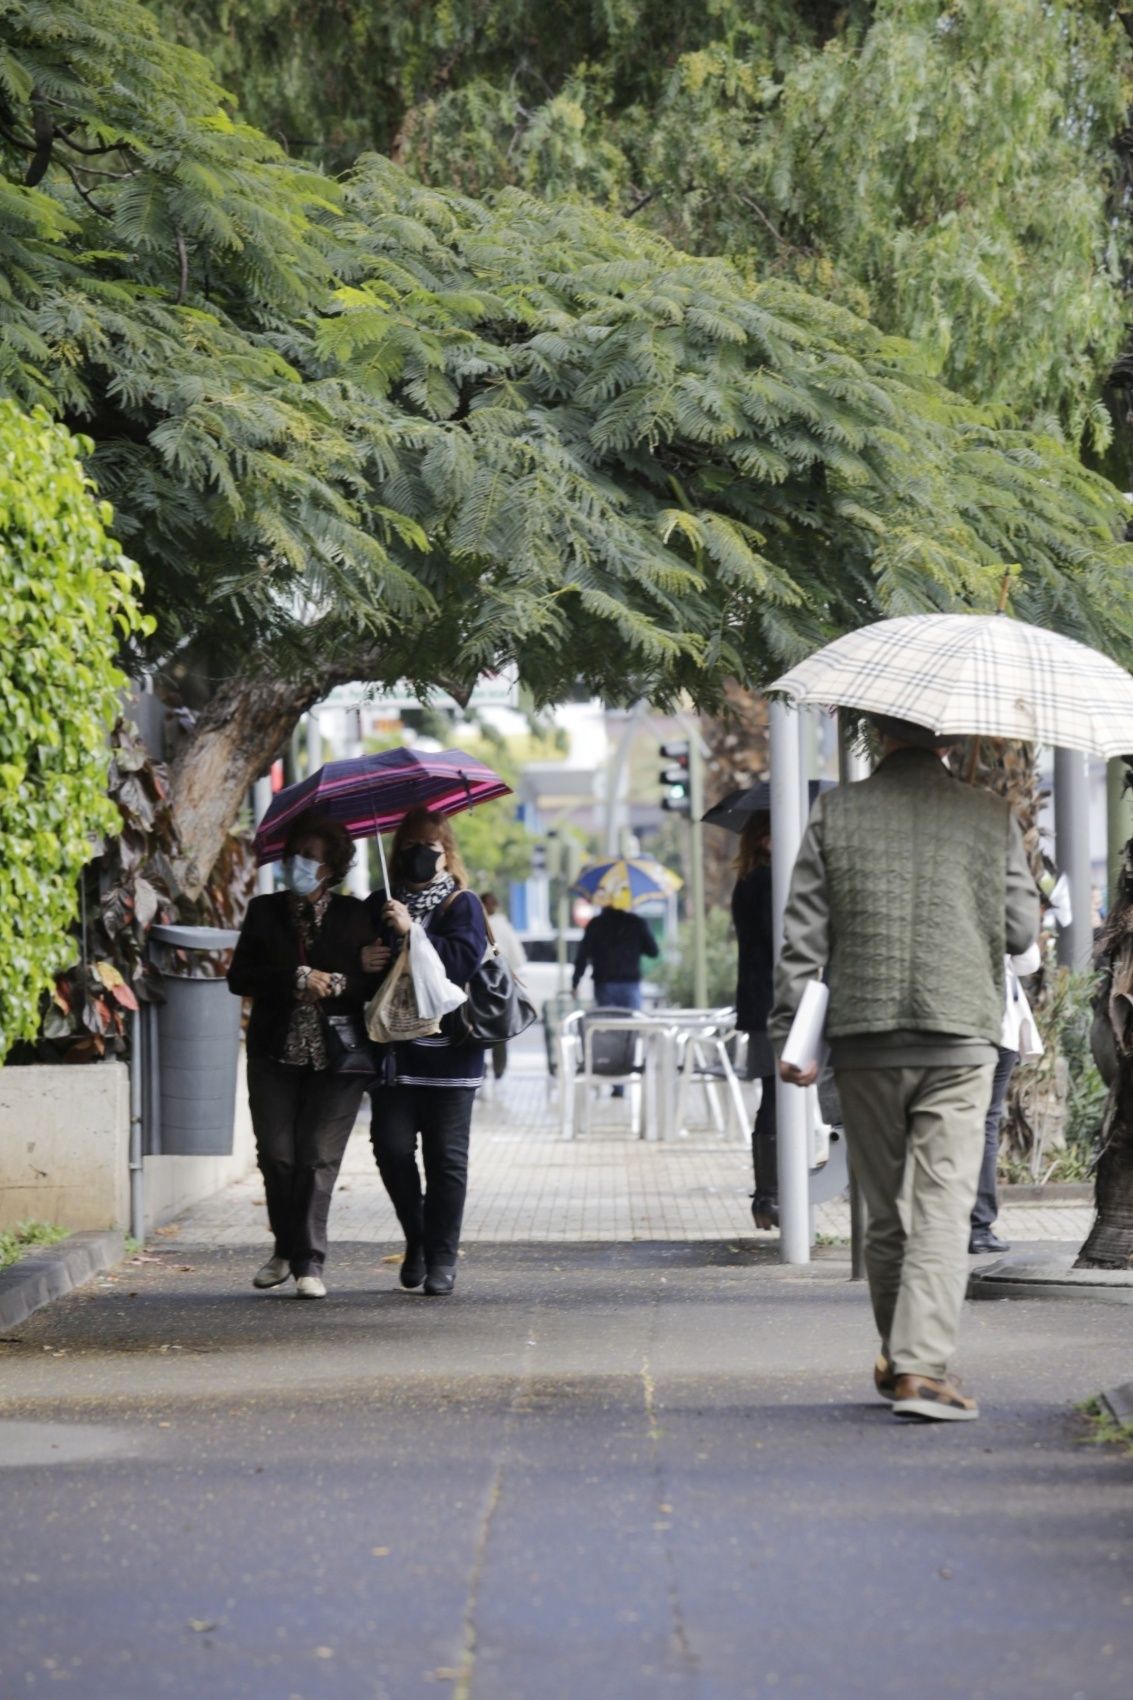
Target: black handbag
{"x":349,"y":1050}
{"x":498,"y":1009}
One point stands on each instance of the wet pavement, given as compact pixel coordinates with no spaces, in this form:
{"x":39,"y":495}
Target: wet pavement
{"x":599,"y":1470}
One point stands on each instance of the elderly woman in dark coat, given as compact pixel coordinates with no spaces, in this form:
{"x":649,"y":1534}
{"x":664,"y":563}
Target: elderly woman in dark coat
{"x":751,"y":916}
{"x":298,"y":959}
{"x":429,"y":1085}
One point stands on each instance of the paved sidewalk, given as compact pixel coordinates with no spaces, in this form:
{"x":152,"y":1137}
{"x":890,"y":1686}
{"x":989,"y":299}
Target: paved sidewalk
{"x":527,"y":1184}
{"x":596,"y":1473}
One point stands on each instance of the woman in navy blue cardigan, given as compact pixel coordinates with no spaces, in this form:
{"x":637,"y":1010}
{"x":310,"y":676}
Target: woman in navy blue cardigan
{"x":429,"y":1085}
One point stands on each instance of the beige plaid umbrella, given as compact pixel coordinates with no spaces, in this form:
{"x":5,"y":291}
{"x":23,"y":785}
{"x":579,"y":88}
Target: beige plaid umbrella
{"x":978,"y":674}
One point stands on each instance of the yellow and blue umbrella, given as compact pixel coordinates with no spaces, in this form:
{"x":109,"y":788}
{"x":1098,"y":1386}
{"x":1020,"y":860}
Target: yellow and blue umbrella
{"x":622,"y":882}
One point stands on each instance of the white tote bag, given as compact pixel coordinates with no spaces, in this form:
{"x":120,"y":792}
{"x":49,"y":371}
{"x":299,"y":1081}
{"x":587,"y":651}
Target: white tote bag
{"x":392,"y":1015}
{"x":436,"y":993}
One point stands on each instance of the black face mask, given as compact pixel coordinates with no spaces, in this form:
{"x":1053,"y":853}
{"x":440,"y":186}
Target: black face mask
{"x":418,"y":863}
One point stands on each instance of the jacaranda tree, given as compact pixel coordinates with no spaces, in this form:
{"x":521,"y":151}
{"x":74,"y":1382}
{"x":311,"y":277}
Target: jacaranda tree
{"x":369,"y":429}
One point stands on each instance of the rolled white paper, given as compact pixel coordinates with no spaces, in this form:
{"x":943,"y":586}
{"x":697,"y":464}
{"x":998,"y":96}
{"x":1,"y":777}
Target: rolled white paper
{"x":804,"y":1041}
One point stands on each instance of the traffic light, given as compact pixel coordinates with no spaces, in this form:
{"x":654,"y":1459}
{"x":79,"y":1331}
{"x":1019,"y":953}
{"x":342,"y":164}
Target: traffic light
{"x":538,"y":858}
{"x":676,"y":778}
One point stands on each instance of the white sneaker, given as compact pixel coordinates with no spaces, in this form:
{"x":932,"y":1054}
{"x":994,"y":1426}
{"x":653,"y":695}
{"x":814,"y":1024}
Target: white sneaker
{"x":273,"y":1273}
{"x":310,"y":1287}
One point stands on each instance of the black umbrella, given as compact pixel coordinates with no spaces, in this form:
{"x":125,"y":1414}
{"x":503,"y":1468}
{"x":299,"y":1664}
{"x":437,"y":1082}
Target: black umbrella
{"x":735,"y":810}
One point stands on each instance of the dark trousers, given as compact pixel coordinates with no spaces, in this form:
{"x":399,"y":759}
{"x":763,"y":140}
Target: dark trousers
{"x":442,"y":1116}
{"x":302,"y":1118}
{"x":986,"y":1207}
{"x":764,"y":1146}
{"x":617,"y":994}
{"x":499,"y":1060}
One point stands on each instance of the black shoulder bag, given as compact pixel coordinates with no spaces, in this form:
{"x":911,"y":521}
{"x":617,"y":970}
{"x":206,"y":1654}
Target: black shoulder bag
{"x":498,"y":1008}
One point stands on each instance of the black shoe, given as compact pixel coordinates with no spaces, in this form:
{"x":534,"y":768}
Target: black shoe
{"x":981,"y":1243}
{"x":412,"y":1271}
{"x":765,"y":1212}
{"x":440,"y":1280}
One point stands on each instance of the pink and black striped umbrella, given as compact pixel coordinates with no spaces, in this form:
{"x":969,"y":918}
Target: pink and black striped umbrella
{"x":373,"y":794}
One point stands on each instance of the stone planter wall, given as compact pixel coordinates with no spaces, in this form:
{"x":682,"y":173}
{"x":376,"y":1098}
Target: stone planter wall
{"x":64,"y":1150}
{"x":64,"y":1145}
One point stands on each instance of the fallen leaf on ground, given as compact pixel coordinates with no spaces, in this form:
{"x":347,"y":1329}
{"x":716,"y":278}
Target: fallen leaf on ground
{"x":201,"y":1625}
{"x":380,"y":1552}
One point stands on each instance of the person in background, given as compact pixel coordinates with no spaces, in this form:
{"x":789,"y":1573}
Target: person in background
{"x":909,"y":889}
{"x":429,"y":1085}
{"x":1020,"y":1038}
{"x":612,"y":947}
{"x":755,"y":994}
{"x":297,"y":958}
{"x":513,"y":954}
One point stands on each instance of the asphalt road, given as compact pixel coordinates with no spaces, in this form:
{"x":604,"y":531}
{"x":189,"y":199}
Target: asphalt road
{"x":617,"y":1472}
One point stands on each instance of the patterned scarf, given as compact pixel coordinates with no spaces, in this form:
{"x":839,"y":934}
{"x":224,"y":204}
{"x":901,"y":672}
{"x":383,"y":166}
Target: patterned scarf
{"x":430,"y":897}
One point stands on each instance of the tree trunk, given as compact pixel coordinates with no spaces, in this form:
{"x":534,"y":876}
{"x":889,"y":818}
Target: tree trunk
{"x":1109,"y":1244}
{"x":738,"y":757}
{"x":238,"y":735}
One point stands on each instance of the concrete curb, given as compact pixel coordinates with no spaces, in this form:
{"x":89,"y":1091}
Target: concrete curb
{"x":1049,"y":1275}
{"x":1119,"y":1402}
{"x":54,"y":1270}
{"x":1056,"y":1192}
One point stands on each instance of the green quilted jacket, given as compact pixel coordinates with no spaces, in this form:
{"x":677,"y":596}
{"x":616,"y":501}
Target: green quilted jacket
{"x":909,"y":889}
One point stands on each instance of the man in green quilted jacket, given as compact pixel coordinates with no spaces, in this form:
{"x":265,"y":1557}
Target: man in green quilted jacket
{"x":909,"y":889}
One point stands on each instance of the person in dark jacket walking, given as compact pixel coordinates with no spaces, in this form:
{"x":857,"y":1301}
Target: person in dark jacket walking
{"x":429,"y":1085}
{"x":612,"y":947}
{"x":297,"y":958}
{"x":755,"y":994}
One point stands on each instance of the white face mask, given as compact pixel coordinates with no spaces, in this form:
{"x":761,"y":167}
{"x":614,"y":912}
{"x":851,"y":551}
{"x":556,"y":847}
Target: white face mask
{"x":301,"y":875}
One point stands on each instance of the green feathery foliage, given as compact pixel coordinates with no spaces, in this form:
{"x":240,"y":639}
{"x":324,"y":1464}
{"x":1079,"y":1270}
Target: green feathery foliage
{"x":641,"y":449}
{"x":950,"y":169}
{"x":69,"y":598}
{"x":379,"y":414}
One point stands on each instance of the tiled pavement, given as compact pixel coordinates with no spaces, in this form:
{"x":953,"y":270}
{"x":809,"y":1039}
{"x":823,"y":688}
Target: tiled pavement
{"x":528,"y":1185}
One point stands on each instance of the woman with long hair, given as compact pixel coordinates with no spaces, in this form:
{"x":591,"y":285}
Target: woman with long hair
{"x":429,"y":1085}
{"x":751,"y":915}
{"x":297,"y":959}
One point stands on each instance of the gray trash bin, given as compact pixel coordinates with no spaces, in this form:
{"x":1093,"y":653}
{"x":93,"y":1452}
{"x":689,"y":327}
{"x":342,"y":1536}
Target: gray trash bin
{"x":198,"y":1048}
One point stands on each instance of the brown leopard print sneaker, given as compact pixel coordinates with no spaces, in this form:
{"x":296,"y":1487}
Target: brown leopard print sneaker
{"x":932,"y":1401}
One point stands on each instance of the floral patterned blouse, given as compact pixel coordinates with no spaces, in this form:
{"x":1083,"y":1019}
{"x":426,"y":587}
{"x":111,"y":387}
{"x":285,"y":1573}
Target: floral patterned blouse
{"x":306,"y":1043}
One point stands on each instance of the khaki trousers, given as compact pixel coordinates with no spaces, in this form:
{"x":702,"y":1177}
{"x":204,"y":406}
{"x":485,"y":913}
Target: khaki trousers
{"x":915,"y":1138}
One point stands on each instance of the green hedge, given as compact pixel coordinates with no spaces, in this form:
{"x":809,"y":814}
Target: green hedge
{"x":68,"y":603}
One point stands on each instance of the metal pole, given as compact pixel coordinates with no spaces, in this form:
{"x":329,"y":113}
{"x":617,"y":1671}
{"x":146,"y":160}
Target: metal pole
{"x":696,"y":870}
{"x":786,"y":836}
{"x":1119,"y":822}
{"x":557,"y":872}
{"x":261,"y":800}
{"x":852,"y":766}
{"x":615,"y":782}
{"x":137,"y":1165}
{"x":1072,"y":844}
{"x":358,"y":878}
{"x":314,"y":742}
